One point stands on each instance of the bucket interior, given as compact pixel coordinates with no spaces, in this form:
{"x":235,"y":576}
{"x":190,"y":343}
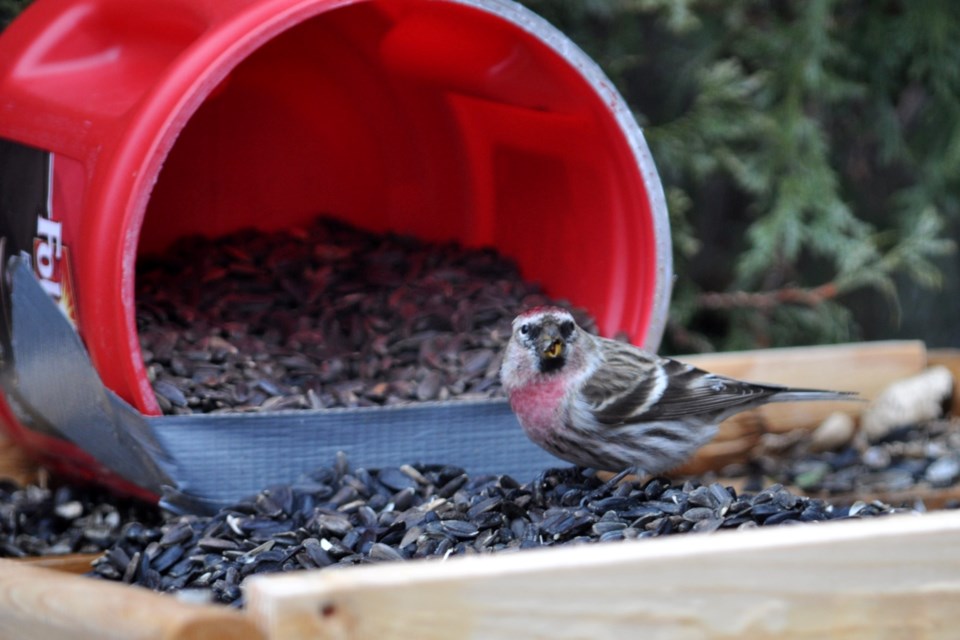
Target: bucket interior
{"x":436,"y":119}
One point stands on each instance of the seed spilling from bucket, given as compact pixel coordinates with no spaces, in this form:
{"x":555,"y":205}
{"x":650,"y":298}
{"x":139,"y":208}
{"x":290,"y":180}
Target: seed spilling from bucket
{"x":325,"y":316}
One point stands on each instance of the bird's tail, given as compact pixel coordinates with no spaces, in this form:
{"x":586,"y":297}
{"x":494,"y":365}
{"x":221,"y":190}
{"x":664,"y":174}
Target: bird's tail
{"x":789,"y":394}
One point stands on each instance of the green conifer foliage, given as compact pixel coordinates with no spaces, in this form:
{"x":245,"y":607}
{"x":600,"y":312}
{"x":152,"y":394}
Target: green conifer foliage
{"x":809,"y":150}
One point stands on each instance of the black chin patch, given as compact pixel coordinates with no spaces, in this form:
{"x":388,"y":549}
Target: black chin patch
{"x":552,"y":365}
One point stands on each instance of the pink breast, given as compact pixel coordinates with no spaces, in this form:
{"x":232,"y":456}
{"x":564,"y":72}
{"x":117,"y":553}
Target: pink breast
{"x":538,"y":407}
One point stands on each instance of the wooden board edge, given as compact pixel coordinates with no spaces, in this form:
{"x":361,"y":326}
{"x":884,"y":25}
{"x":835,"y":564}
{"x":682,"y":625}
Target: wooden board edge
{"x":77,"y":563}
{"x":838,"y":580}
{"x":873,"y":349}
{"x":41,"y":603}
{"x":15,"y":464}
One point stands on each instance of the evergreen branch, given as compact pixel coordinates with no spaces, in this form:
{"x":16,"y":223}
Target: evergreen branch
{"x":688,"y":341}
{"x":809,"y":297}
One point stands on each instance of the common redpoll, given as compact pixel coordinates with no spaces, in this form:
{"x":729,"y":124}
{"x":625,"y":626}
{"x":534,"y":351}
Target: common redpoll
{"x":609,"y":405}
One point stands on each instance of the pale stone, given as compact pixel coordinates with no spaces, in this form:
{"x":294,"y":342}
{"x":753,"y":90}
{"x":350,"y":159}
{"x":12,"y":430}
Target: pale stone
{"x":833,"y":433}
{"x":908,"y":401}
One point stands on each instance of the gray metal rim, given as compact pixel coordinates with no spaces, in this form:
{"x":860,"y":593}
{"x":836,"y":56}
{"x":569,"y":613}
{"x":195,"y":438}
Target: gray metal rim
{"x":563,"y":46}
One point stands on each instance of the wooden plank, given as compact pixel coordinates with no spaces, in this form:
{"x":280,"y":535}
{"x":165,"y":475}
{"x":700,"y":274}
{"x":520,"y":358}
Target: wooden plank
{"x":69,"y":563}
{"x":875,"y":364}
{"x":933,"y":499}
{"x":867,"y":368}
{"x":40,"y":604}
{"x":949,"y":358}
{"x":14,"y":463}
{"x":892,"y":577}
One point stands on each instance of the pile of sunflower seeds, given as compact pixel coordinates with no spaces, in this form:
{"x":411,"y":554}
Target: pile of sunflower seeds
{"x":337,"y":517}
{"x":327,"y":316}
{"x":37,"y":520}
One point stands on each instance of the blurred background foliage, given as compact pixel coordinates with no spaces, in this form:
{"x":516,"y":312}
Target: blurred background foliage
{"x":809,"y":150}
{"x":810,"y":153}
{"x":9,"y":10}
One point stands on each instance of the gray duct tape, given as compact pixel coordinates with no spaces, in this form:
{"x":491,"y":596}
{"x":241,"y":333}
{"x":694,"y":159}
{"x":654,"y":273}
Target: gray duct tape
{"x":221,"y":458}
{"x":53,"y":387}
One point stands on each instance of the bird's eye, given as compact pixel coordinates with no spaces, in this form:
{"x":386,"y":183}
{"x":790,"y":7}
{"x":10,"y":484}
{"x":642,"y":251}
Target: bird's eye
{"x":524,"y":329}
{"x":566,"y":328}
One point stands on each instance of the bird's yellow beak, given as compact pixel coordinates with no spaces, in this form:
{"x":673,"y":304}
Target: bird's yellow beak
{"x":554,"y":349}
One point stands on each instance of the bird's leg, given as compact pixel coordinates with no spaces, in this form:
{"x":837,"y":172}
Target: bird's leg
{"x":536,"y":488}
{"x":607,"y":486}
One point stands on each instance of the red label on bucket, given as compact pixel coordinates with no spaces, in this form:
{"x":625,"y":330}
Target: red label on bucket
{"x":31,"y":217}
{"x":51,"y":264}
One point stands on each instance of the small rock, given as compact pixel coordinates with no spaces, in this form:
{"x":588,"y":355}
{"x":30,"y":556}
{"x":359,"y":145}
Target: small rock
{"x":810,"y":475}
{"x":894,"y":480}
{"x":919,"y":398}
{"x":876,"y":458}
{"x":833,"y":433}
{"x":943,"y":471}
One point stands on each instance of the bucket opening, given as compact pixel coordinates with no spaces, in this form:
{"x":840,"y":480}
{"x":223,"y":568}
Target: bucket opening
{"x":435,"y":119}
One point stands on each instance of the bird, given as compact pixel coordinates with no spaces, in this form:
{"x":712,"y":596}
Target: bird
{"x":610,"y":405}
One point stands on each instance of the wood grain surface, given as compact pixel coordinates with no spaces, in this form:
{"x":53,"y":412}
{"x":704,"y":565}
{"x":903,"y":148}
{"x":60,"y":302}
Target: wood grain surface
{"x":895,"y":577}
{"x":41,"y":604}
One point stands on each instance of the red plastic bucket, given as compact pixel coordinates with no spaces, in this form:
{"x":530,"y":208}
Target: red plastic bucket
{"x":472,"y":120}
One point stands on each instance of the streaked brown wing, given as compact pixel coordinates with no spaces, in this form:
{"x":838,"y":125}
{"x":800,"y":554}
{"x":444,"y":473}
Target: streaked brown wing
{"x":612,"y":381}
{"x":693,"y":391}
{"x":687,"y":391}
